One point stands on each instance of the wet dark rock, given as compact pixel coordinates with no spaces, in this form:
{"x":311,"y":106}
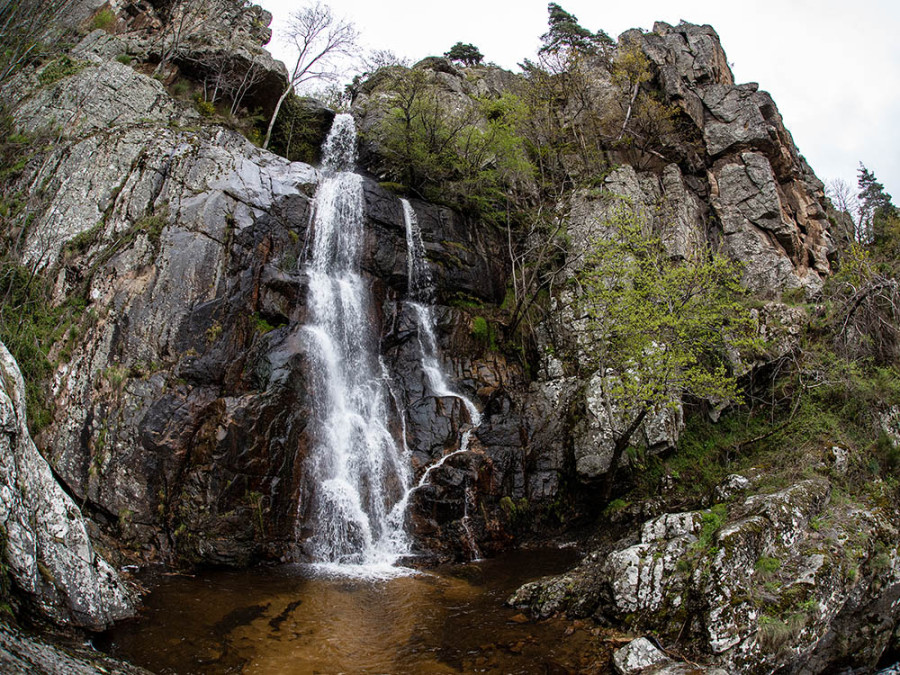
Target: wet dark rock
{"x":22,"y":653}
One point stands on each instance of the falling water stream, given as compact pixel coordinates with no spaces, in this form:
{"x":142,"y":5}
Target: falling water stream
{"x":360,"y":472}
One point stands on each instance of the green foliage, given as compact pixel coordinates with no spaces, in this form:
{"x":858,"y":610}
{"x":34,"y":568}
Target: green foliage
{"x":467,"y":54}
{"x":124,"y":59}
{"x":261,"y":324}
{"x":480,"y":328}
{"x":664,"y":327}
{"x":567,"y":36}
{"x":483,"y":331}
{"x":471,"y":158}
{"x":105,"y":19}
{"x":204,"y":107}
{"x":712,"y":521}
{"x":153,"y":224}
{"x":29,"y":326}
{"x":24,"y":31}
{"x":775,"y":633}
{"x":875,"y":207}
{"x":214,"y":332}
{"x":766,"y":565}
{"x":180,"y":88}
{"x":81,"y":242}
{"x":60,"y":68}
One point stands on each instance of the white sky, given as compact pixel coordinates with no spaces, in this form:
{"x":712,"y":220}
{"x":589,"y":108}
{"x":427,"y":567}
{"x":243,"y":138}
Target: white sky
{"x":832,"y":66}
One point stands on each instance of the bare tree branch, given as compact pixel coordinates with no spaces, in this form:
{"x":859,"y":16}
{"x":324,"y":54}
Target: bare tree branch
{"x":319,"y":40}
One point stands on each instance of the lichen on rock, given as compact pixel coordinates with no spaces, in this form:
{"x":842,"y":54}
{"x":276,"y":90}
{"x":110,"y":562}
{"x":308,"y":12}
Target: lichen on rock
{"x":46,"y":545}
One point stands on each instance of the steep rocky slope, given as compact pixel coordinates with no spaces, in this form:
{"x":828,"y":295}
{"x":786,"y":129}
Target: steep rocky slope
{"x":182,"y":420}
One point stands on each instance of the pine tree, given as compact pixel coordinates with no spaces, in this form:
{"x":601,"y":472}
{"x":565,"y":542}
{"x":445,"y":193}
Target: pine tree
{"x":467,"y":54}
{"x":875,"y":209}
{"x":567,"y":36}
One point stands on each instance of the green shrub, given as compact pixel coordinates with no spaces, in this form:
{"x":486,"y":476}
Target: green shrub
{"x":262,"y":325}
{"x":105,"y":19}
{"x":480,"y":329}
{"x":204,"y":107}
{"x":711,"y":520}
{"x":180,"y":88}
{"x":766,"y":565}
{"x":124,"y":59}
{"x":60,"y":68}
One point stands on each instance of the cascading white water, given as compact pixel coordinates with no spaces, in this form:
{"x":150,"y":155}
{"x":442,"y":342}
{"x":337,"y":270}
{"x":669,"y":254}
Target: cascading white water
{"x":360,"y":471}
{"x":421,"y":294}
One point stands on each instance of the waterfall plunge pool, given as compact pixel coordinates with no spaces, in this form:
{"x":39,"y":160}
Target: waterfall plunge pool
{"x":294,"y":619}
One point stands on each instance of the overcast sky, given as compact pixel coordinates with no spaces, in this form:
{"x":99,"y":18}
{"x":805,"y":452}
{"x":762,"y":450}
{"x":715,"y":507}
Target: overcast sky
{"x":833,"y":67}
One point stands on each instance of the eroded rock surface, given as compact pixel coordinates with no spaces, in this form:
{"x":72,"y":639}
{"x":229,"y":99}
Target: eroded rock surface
{"x":768,"y":200}
{"x":46,"y":546}
{"x":766,"y":582}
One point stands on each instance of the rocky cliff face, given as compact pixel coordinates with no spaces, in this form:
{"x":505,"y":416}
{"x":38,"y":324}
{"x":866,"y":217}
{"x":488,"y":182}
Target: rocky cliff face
{"x":182,"y":410}
{"x":188,"y":247}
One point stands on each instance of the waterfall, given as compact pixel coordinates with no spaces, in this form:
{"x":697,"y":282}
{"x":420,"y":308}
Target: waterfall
{"x":421,"y":294}
{"x":360,"y":472}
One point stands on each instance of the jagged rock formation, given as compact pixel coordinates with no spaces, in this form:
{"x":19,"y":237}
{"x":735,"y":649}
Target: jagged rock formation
{"x":769,"y":203}
{"x":766,"y":583}
{"x":46,"y":547}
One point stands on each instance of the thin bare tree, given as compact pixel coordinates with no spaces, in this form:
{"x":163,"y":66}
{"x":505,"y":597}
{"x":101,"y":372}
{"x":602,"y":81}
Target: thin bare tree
{"x":319,"y":40}
{"x":844,"y":199}
{"x":24,"y":26}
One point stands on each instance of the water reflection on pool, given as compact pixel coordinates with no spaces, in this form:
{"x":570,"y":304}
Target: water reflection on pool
{"x":295,"y":619}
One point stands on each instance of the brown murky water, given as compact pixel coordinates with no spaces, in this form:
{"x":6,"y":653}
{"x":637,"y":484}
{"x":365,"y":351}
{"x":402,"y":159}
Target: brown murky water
{"x":291,"y":620}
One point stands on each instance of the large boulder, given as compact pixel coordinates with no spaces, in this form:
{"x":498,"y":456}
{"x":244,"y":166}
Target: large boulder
{"x":46,"y":548}
{"x":767,"y":581}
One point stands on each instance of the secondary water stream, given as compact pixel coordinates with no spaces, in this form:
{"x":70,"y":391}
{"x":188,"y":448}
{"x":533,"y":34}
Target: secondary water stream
{"x":293,"y":620}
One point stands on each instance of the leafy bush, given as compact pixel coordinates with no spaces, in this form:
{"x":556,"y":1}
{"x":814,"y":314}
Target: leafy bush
{"x":204,"y":107}
{"x":471,"y":157}
{"x":105,"y":19}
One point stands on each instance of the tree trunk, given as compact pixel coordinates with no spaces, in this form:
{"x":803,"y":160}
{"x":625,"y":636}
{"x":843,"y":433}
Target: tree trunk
{"x":634,"y":94}
{"x":618,"y":449}
{"x":275,"y":115}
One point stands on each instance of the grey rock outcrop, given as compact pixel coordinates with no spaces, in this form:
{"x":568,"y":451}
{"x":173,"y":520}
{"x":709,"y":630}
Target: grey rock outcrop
{"x":46,"y":549}
{"x":638,"y":656}
{"x":770,"y":204}
{"x":763,"y":584}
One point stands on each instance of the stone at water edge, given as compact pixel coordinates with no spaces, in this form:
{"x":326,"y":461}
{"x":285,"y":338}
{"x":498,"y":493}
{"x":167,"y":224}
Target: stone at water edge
{"x":47,"y":549}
